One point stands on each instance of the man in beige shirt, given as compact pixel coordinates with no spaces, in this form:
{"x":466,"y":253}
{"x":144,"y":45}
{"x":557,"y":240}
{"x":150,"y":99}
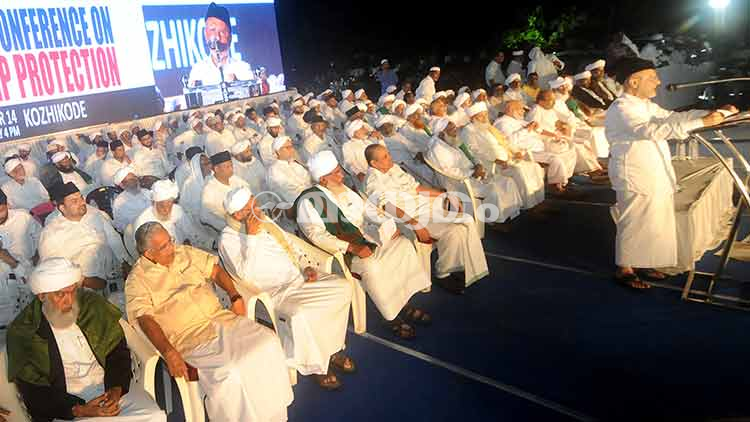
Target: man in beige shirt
{"x":170,"y":293}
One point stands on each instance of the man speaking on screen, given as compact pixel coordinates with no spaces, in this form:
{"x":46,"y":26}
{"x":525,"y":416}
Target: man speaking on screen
{"x":219,"y":66}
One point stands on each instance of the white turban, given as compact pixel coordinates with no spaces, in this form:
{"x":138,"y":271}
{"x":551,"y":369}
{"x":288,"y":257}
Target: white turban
{"x":397,"y":103}
{"x":441,"y":124}
{"x":477,"y":92}
{"x":11,"y":164}
{"x":239,"y":147}
{"x":477,"y":108}
{"x":321,"y":164}
{"x":358,"y":93}
{"x":439,"y":94}
{"x":386,"y":118}
{"x":449,"y":92}
{"x":518,"y":53}
{"x":583,"y":75}
{"x":462,"y":97}
{"x":414,"y":108}
{"x":599,"y":64}
{"x":324,"y":93}
{"x":273,"y":122}
{"x":236,"y":199}
{"x":463,"y":89}
{"x":391,"y":89}
{"x":512,"y":78}
{"x":10,"y":153}
{"x":163,"y":190}
{"x":384,"y":61}
{"x":54,"y":274}
{"x":354,"y":126}
{"x":434,"y":69}
{"x":345,"y":93}
{"x":59,"y":156}
{"x":279,"y":142}
{"x":308,"y":96}
{"x":122,"y":173}
{"x":557,"y":82}
{"x":386,"y":99}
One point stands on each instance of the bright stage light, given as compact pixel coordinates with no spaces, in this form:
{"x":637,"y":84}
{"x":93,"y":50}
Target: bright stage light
{"x":718,"y":4}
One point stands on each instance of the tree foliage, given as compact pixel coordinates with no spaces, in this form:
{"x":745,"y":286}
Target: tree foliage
{"x":539,"y":32}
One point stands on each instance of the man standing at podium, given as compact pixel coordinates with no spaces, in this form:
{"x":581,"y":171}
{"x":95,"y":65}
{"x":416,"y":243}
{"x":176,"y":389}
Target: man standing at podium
{"x":642,"y":175}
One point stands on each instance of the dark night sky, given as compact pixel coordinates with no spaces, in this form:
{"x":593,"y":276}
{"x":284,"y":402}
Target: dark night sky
{"x":314,"y":32}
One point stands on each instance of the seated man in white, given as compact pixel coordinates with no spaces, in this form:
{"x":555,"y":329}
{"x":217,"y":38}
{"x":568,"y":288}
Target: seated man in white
{"x":247,"y":167}
{"x":68,"y":356}
{"x":193,"y":137}
{"x":24,"y":154}
{"x":312,"y":309}
{"x":295,"y":124}
{"x":589,"y":132}
{"x":333,"y":217}
{"x":218,"y":138}
{"x":19,"y":240}
{"x":150,"y":160}
{"x":501,"y":200}
{"x":84,"y":235}
{"x":421,"y":209}
{"x":415,"y":131}
{"x":116,"y":161}
{"x":318,"y":139}
{"x":23,"y":191}
{"x":66,"y":170}
{"x":171,"y":295}
{"x":215,"y":190}
{"x":401,"y":150}
{"x":286,"y":177}
{"x":95,"y":161}
{"x":131,"y":202}
{"x":191,"y":190}
{"x":493,"y":150}
{"x":559,"y":157}
{"x":265,"y":146}
{"x":353,"y":150}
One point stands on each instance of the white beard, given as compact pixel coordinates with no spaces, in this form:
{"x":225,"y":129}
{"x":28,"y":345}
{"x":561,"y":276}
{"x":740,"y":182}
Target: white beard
{"x":61,"y":320}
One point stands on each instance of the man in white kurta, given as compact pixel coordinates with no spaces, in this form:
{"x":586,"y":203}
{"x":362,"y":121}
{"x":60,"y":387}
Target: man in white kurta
{"x":84,"y":235}
{"x":118,"y":160}
{"x":218,"y":139}
{"x":95,"y":161}
{"x":23,"y":191}
{"x":195,"y":137}
{"x":215,"y":190}
{"x":493,"y":150}
{"x":312,"y":309}
{"x":318,"y":139}
{"x":150,"y":160}
{"x":171,"y":295}
{"x":426,"y":88}
{"x":523,"y":135}
{"x":286,"y":177}
{"x":581,"y":131}
{"x":387,"y":265}
{"x":501,"y":198}
{"x":295,"y":124}
{"x":404,"y":152}
{"x":642,"y":174}
{"x":131,"y":202}
{"x":493,"y":73}
{"x":24,"y":154}
{"x":247,"y":166}
{"x":19,"y":238}
{"x":353,"y":150}
{"x":422,"y":211}
{"x":265,"y":146}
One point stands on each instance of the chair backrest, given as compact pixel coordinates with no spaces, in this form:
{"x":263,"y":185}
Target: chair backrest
{"x":103,"y":198}
{"x":10,"y":399}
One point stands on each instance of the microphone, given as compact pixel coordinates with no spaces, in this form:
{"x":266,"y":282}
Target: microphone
{"x":675,"y":87}
{"x":213,"y":43}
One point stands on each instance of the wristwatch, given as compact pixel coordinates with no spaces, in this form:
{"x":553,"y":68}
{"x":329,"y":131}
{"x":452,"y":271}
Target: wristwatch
{"x":235,"y":297}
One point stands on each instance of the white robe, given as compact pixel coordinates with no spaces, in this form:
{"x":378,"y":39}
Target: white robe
{"x":151,"y":162}
{"x":288,"y":179}
{"x":179,"y":225}
{"x":311,"y":318}
{"x":586,"y":160}
{"x":458,"y":243}
{"x":253,"y":173}
{"x":561,"y":162}
{"x":403,"y":153}
{"x":26,"y":196}
{"x":426,"y":89}
{"x":391,"y":275}
{"x":499,"y":192}
{"x":217,"y":142}
{"x":353,"y":152}
{"x":93,"y":167}
{"x":192,"y":189}
{"x":527,"y":175}
{"x":296,"y":127}
{"x":493,"y":73}
{"x":643,"y":177}
{"x":265,"y":150}
{"x":593,"y":137}
{"x":212,"y":201}
{"x":187,"y":139}
{"x":92,"y":243}
{"x":127,"y":207}
{"x":247,"y":133}
{"x":20,"y":237}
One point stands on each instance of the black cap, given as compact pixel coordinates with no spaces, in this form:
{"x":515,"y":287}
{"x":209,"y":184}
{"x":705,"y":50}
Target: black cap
{"x":352,"y":111}
{"x":143,"y":133}
{"x":3,"y":198}
{"x":630,"y":65}
{"x":102,"y":144}
{"x":268,"y":109}
{"x":218,"y":12}
{"x":308,"y":116}
{"x":59,"y":191}
{"x":192,"y":152}
{"x":317,"y":118}
{"x":220,"y":157}
{"x":115,"y":144}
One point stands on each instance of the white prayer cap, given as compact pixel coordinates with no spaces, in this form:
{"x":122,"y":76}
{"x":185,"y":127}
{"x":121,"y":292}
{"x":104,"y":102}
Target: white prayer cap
{"x":439,"y":94}
{"x":240,"y":147}
{"x":450,"y":92}
{"x":59,"y":156}
{"x":441,"y":124}
{"x":236,"y":199}
{"x":296,"y":96}
{"x":462,"y":97}
{"x":518,"y":53}
{"x":11,"y":164}
{"x":434,"y":69}
{"x":324,"y":93}
{"x":414,"y":108}
{"x":557,"y":82}
{"x":273,"y":122}
{"x":163,"y":190}
{"x":358,"y":93}
{"x":384,"y":61}
{"x":24,"y":147}
{"x":583,"y":75}
{"x":387,"y":99}
{"x":54,"y":274}
{"x":512,"y":78}
{"x":321,"y":164}
{"x":477,"y":108}
{"x":599,"y":64}
{"x":397,"y":103}
{"x":298,"y":103}
{"x":386,"y":118}
{"x":345,"y":93}
{"x":122,"y":173}
{"x":477,"y":92}
{"x":313,"y":103}
{"x":463,"y":89}
{"x":236,"y":117}
{"x":354,"y":126}
{"x":391,"y":89}
{"x":280,"y":141}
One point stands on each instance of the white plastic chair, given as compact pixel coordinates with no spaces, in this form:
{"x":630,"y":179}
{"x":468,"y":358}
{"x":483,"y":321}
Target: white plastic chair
{"x":475,"y":201}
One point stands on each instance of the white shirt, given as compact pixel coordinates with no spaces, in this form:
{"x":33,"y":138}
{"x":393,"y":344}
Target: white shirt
{"x":520,"y":137}
{"x":19,"y":235}
{"x":179,"y":225}
{"x":513,"y":67}
{"x":418,"y":139}
{"x":546,"y":118}
{"x":344,"y":106}
{"x":426,"y":88}
{"x":151,"y":162}
{"x":26,"y":196}
{"x":187,"y":139}
{"x":127,"y":207}
{"x":77,"y":180}
{"x":296,"y":127}
{"x":288,"y":179}
{"x":493,"y":72}
{"x":483,"y":144}
{"x":253,"y":173}
{"x":314,"y":144}
{"x":515,"y":95}
{"x":399,"y":147}
{"x":353,"y":151}
{"x":212,"y":201}
{"x":638,"y":130}
{"x":84,"y":376}
{"x":209,"y":74}
{"x":108,"y":170}
{"x":93,"y":166}
{"x":217,"y":142}
{"x":333,"y":116}
{"x":246,"y":134}
{"x":265,"y":150}
{"x":395,"y":187}
{"x":448,"y":159}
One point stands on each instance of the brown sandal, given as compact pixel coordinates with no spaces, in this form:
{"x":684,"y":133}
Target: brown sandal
{"x":328,"y":382}
{"x":402,"y":330}
{"x":343,"y":363}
